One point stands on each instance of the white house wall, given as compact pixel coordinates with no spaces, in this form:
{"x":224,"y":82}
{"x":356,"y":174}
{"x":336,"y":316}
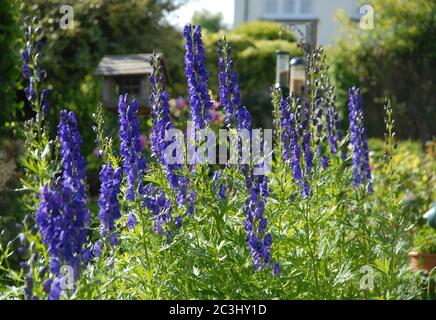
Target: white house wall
{"x":324,"y":10}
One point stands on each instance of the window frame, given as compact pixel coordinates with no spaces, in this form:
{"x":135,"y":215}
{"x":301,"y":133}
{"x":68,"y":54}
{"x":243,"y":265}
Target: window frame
{"x":134,"y":89}
{"x":280,"y":14}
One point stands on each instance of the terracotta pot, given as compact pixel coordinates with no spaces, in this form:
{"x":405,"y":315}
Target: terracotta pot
{"x":422,"y":261}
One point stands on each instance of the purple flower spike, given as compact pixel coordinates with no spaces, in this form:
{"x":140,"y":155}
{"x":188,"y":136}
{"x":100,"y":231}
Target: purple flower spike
{"x":156,"y":201}
{"x":62,"y":217}
{"x":108,"y":203}
{"x":31,"y":69}
{"x":361,"y":169}
{"x":255,"y":224}
{"x":276,"y":269}
{"x":132,"y":221}
{"x":228,"y":84}
{"x":197,"y":76}
{"x":133,"y":160}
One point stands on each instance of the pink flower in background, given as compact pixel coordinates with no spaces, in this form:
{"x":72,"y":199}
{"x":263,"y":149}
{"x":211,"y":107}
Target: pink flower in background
{"x":215,"y":105}
{"x":143,"y":141}
{"x":180,"y":103}
{"x":216,"y":116}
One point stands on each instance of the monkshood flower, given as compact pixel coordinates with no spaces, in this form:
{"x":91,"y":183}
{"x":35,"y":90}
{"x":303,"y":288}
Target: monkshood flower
{"x":191,"y":207}
{"x":44,"y":101}
{"x":24,"y":251}
{"x":334,"y":131}
{"x":161,"y":209}
{"x":244,"y":118}
{"x":289,"y":133}
{"x":228,"y":83}
{"x":97,"y":249}
{"x":160,"y":110}
{"x":276,"y":269}
{"x":73,"y":163}
{"x":133,"y":160}
{"x":337,"y":124}
{"x":284,"y":119}
{"x":197,"y":77}
{"x":295,"y":162}
{"x":306,"y":140}
{"x":131,"y":222}
{"x":220,"y":187}
{"x":361,"y":168}
{"x":109,"y":206}
{"x":259,"y":243}
{"x":235,"y":116}
{"x":308,"y":154}
{"x":161,"y":120}
{"x":331,"y":123}
{"x":62,"y":216}
{"x":296,"y":143}
{"x":322,"y":128}
{"x":31,"y":68}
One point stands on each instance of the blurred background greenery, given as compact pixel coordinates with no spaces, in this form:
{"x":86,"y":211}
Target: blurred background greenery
{"x":396,"y":59}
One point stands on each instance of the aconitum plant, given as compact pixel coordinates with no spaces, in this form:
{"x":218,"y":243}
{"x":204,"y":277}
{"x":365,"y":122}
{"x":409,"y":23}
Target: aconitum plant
{"x":259,"y":242}
{"x":228,"y":83}
{"x":361,"y":167}
{"x":324,"y":117}
{"x":31,"y":56}
{"x":296,"y":141}
{"x":161,"y":121}
{"x":160,"y":110}
{"x":197,"y":76}
{"x":237,"y":116}
{"x":62,"y":217}
{"x":134,"y":162}
{"x":108,"y":202}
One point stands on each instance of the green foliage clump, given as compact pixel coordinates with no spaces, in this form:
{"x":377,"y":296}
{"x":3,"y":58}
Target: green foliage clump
{"x":9,"y":67}
{"x":264,"y":30}
{"x":212,"y":22}
{"x":394,"y":59}
{"x":425,"y":240}
{"x":254,"y":46}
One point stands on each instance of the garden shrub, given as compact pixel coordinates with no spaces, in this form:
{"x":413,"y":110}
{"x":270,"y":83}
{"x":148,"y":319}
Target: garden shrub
{"x":9,"y":35}
{"x":254,"y":45}
{"x":394,"y":59}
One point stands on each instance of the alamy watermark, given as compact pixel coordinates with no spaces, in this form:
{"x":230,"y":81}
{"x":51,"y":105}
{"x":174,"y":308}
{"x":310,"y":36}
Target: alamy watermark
{"x":367,"y":280}
{"x":67,"y":278}
{"x":67,"y":20}
{"x":367,"y":19}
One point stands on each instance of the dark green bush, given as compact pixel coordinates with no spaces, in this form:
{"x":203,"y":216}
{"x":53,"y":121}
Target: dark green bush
{"x":9,"y":66}
{"x":254,"y":46}
{"x":396,"y":59}
{"x":100,"y":28}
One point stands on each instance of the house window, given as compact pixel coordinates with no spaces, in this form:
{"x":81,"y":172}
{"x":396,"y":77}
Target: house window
{"x":130,"y":85}
{"x":277,"y":9}
{"x":306,"y":7}
{"x":289,"y":6}
{"x":271,"y":7}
